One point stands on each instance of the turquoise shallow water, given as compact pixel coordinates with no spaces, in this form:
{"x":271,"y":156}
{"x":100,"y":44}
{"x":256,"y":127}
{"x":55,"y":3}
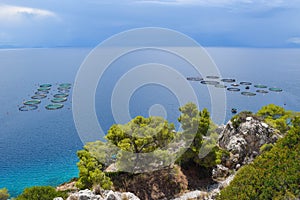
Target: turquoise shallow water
{"x":39,"y":147}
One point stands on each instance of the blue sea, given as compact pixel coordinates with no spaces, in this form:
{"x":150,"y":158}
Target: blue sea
{"x":39,"y":147}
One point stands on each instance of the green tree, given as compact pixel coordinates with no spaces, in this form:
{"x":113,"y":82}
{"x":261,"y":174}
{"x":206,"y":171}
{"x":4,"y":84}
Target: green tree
{"x":142,"y":135}
{"x":276,"y":116}
{"x":90,"y":172}
{"x":41,"y":193}
{"x":196,"y":125}
{"x":4,"y":195}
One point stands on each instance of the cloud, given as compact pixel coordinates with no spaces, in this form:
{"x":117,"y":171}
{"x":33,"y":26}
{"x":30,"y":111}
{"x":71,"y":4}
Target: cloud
{"x":294,"y":40}
{"x":9,"y":13}
{"x":214,"y":3}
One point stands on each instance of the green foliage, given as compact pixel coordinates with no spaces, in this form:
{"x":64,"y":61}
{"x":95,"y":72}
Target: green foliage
{"x":197,"y":125}
{"x":105,"y":153}
{"x":41,"y":193}
{"x":276,"y":116}
{"x":265,"y":147}
{"x":272,"y":175}
{"x":4,"y":195}
{"x":142,"y":135}
{"x":90,"y":172}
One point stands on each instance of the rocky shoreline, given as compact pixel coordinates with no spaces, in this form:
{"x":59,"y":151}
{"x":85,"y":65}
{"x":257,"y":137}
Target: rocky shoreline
{"x":243,"y":142}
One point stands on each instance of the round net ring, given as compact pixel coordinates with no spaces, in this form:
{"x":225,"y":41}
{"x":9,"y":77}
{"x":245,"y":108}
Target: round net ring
{"x":39,"y":96}
{"x":59,"y":100}
{"x":32,"y":102}
{"x":54,"y":106}
{"x":249,"y":94}
{"x":234,"y":89}
{"x":210,"y":82}
{"x":28,"y":107}
{"x":228,"y":80}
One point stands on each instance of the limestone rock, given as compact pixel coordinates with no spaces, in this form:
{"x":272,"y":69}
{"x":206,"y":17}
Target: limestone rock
{"x":220,"y":172}
{"x":193,"y":195}
{"x":107,"y":195}
{"x":58,"y":198}
{"x":243,"y":142}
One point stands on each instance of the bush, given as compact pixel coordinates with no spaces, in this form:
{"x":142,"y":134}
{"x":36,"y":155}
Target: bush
{"x":41,"y":193}
{"x":90,"y":172}
{"x":4,"y":195}
{"x":276,"y":116}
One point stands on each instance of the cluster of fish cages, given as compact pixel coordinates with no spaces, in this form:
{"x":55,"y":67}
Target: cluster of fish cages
{"x":245,"y":88}
{"x":42,"y":92}
{"x":232,"y":85}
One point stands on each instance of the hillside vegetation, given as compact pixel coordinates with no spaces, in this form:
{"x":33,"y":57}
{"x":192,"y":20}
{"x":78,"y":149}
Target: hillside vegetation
{"x":272,"y":175}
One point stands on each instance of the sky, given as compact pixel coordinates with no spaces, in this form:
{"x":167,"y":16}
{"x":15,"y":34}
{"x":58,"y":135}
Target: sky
{"x":85,"y":23}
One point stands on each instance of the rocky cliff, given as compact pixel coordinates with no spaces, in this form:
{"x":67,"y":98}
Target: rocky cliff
{"x":242,"y":139}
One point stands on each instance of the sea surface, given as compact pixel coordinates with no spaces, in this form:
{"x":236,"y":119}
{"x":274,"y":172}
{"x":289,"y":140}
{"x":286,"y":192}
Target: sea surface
{"x":39,"y":147}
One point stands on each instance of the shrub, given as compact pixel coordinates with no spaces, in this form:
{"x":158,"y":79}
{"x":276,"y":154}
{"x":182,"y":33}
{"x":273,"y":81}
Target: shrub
{"x":41,"y":193}
{"x":90,"y":172}
{"x":4,"y":195}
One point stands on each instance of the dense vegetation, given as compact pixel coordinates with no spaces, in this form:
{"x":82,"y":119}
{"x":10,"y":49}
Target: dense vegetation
{"x":90,"y":172}
{"x":126,"y":144}
{"x":276,"y":116}
{"x":274,"y":174}
{"x":41,"y":193}
{"x":4,"y":194}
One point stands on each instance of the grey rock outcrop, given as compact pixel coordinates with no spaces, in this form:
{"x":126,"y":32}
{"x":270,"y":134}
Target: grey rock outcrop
{"x":58,"y":198}
{"x":193,"y":195}
{"x":220,"y":172}
{"x":244,"y":141}
{"x":106,"y":195}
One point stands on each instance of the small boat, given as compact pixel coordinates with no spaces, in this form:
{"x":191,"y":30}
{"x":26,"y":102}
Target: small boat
{"x":233,"y":110}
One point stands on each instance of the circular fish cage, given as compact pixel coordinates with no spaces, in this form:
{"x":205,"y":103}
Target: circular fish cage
{"x":44,"y":88}
{"x":63,"y":88}
{"x":235,"y":85}
{"x":64,"y":91}
{"x":32,"y":102}
{"x":65,"y":85}
{"x":45,"y":85}
{"x":61,"y":95}
{"x":39,"y":96}
{"x":228,"y":80}
{"x":28,"y":107}
{"x":220,"y":86}
{"x":274,"y":89}
{"x":54,"y":106}
{"x":194,"y":78}
{"x":42,"y":92}
{"x":212,"y":77}
{"x":210,"y":82}
{"x":260,"y":86}
{"x":245,"y":83}
{"x":249,"y":94}
{"x":234,"y":89}
{"x":59,"y":100}
{"x":262,"y":91}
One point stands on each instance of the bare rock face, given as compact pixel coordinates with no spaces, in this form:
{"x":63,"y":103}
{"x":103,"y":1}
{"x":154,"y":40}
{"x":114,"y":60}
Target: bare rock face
{"x":220,"y":172}
{"x":106,"y":195}
{"x":244,"y":141}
